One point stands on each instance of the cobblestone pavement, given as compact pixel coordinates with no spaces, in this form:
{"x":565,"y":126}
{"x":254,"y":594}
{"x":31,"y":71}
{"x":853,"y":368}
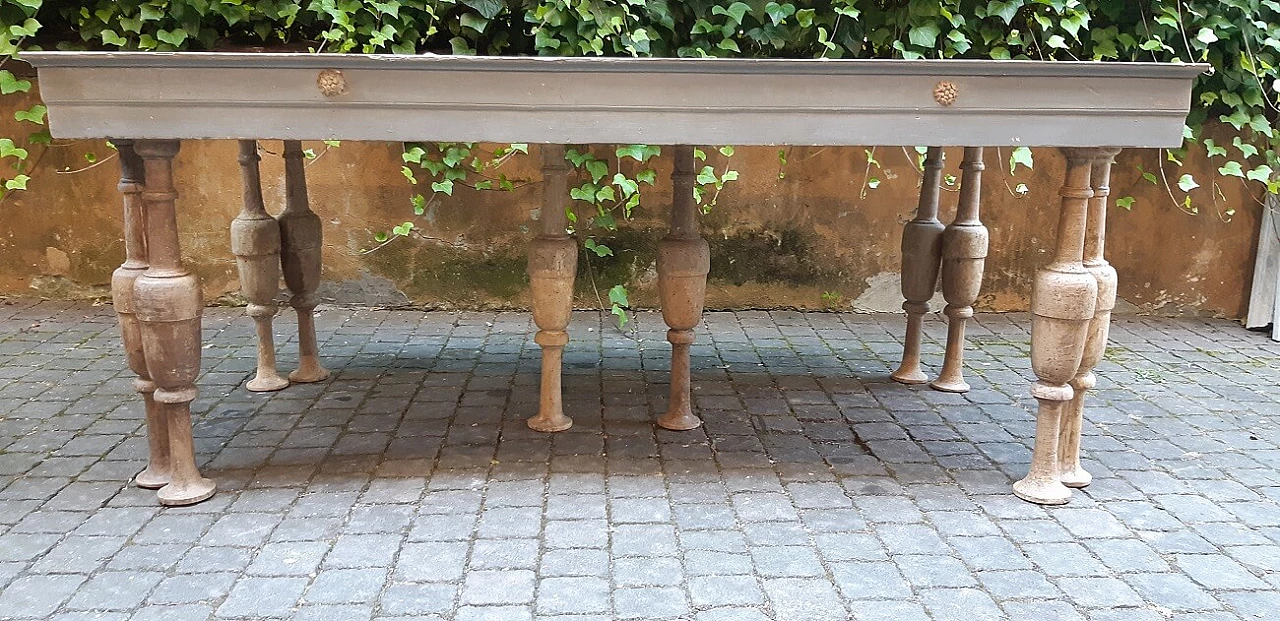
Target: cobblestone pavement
{"x":407,"y":486}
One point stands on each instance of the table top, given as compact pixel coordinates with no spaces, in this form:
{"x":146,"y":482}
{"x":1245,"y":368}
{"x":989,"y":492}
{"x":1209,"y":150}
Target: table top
{"x":614,"y":100}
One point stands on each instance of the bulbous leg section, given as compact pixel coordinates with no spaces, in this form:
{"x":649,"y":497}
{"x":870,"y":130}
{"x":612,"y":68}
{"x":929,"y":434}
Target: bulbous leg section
{"x":1063,"y":303}
{"x":302,"y":242}
{"x":683,"y":265}
{"x":169,"y":306}
{"x":921,"y":257}
{"x":255,"y":240}
{"x":553,"y":263}
{"x":964,"y":251}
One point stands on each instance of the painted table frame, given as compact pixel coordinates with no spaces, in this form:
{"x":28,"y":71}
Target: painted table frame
{"x":148,"y":102}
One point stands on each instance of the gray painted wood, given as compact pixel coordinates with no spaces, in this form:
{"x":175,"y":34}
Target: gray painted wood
{"x":614,"y":100}
{"x":1266,"y":271}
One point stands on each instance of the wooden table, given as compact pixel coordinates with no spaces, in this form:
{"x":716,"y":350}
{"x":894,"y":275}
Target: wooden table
{"x":147,"y":102}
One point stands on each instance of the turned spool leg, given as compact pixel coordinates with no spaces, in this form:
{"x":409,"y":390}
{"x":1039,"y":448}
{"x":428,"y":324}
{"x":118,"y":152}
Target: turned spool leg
{"x":921,"y":255}
{"x":1063,"y":302}
{"x":1070,"y":471}
{"x":553,"y":263}
{"x":169,"y":305}
{"x":132,"y":180}
{"x":255,"y":240}
{"x":964,"y":254}
{"x":301,"y":240}
{"x":684,"y":259}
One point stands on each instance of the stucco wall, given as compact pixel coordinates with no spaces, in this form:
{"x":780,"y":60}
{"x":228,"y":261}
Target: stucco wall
{"x":776,"y":242}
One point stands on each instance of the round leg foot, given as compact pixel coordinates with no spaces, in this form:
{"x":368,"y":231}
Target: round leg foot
{"x":267,"y":383}
{"x":1076,"y":478}
{"x":949,"y":385}
{"x":550,"y":423}
{"x":309,"y":375}
{"x":909,"y":376}
{"x":150,"y":479}
{"x":679,"y":421}
{"x":188,"y":493}
{"x":1042,"y":491}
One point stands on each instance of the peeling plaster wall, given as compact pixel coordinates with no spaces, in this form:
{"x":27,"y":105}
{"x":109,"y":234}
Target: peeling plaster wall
{"x":809,"y":235}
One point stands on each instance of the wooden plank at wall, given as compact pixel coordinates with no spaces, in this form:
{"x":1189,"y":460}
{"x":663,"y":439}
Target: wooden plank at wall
{"x":1266,"y":270}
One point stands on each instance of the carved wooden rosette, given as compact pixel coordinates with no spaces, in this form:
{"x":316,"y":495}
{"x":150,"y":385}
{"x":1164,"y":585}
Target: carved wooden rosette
{"x":553,"y":263}
{"x":684,"y":259}
{"x":169,"y":305}
{"x":1070,"y":471}
{"x":921,"y":255}
{"x":255,"y":240}
{"x":1064,"y":298}
{"x":964,"y":253}
{"x":132,"y":180}
{"x":301,"y":240}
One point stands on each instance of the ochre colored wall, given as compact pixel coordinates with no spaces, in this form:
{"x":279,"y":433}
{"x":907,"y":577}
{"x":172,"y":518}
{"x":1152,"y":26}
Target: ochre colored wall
{"x":776,"y":241}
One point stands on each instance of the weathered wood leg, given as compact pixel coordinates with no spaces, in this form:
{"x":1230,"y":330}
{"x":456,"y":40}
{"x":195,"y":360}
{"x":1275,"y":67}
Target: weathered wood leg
{"x":553,"y":263}
{"x":1070,"y":471}
{"x":156,"y":474}
{"x":1063,"y":301}
{"x":301,"y":239}
{"x":255,"y":240}
{"x":169,"y":304}
{"x":964,"y":255}
{"x":684,"y":259}
{"x":921,"y":256}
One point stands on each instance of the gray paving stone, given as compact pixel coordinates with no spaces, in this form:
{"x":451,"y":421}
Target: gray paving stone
{"x":710,"y":591}
{"x":573,"y":596}
{"x":1174,"y":591}
{"x":804,"y":598}
{"x":257,"y":597}
{"x":38,"y":596}
{"x":418,"y":599}
{"x":498,"y":587}
{"x":649,"y":603}
{"x":295,"y":558}
{"x":961,"y":604}
{"x":192,"y":588}
{"x":346,"y":586}
{"x":642,"y":572}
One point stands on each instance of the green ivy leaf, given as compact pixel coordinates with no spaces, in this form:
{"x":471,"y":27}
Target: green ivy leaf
{"x":173,"y":37}
{"x":1261,"y":173}
{"x":737,"y":11}
{"x":1125,"y":202}
{"x":1003,"y":10}
{"x":1020,"y":155}
{"x":726,"y":151}
{"x":924,"y":35}
{"x":601,"y":250}
{"x":473,"y":21}
{"x":34,"y":114}
{"x":110,"y":37}
{"x":638,"y":152}
{"x":618,"y":295}
{"x":10,"y":84}
{"x":1231,"y":169}
{"x":1206,"y":36}
{"x":28,"y":28}
{"x":8,"y":149}
{"x":487,"y":8}
{"x":598,"y":169}
{"x":419,"y":204}
{"x":445,"y":187}
{"x":17,"y":183}
{"x":1187,"y":183}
